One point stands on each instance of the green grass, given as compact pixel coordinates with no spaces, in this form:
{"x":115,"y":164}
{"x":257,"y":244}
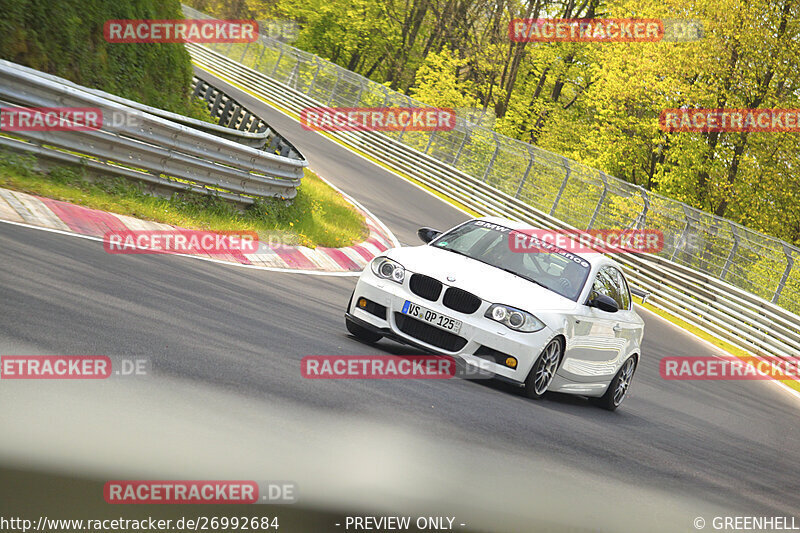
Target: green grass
{"x":317,"y":216}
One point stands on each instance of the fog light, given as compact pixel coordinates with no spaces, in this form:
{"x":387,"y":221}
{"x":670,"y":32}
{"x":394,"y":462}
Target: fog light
{"x":511,"y":362}
{"x":362,"y":302}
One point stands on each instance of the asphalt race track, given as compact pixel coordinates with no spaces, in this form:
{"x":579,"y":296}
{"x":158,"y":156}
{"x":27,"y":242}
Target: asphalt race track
{"x":223,"y":335}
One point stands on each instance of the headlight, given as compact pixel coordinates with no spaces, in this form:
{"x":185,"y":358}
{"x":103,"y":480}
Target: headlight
{"x":514,"y":318}
{"x":385,"y":268}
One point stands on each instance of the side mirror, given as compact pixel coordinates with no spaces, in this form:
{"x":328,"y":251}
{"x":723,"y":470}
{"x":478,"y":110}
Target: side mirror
{"x":604,"y":303}
{"x":428,"y":234}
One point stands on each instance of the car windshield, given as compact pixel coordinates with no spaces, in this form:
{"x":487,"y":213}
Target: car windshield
{"x":556,"y":269}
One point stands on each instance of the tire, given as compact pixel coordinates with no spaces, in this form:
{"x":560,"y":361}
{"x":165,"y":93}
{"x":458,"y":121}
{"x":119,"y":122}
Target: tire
{"x":618,"y":388}
{"x":361,"y":333}
{"x":544,"y":370}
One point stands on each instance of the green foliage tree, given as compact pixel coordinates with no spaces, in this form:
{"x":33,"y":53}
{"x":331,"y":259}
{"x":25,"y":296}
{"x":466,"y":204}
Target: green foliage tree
{"x":597,"y":103}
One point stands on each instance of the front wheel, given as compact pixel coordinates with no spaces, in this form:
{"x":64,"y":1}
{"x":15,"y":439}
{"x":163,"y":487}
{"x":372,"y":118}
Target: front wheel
{"x":619,"y":386}
{"x":544,"y":370}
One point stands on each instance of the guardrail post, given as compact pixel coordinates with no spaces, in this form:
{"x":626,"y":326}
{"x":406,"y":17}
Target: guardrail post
{"x":208,"y":96}
{"x":224,"y":117}
{"x":215,"y":105}
{"x":731,"y":254}
{"x":524,"y":176}
{"x":600,"y":201}
{"x":494,"y":156}
{"x":785,"y":276}
{"x":198,"y":88}
{"x":568,"y":170}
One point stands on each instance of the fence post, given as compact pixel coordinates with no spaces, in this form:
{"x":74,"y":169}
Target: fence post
{"x":600,"y":201}
{"x":494,"y":156}
{"x":430,"y":141}
{"x":400,"y":137}
{"x":360,"y":93}
{"x":246,"y":48}
{"x":277,"y":62}
{"x":789,"y":265}
{"x":683,"y":234}
{"x":294,"y":75}
{"x":461,"y":147}
{"x":731,"y":254}
{"x":314,"y":78}
{"x":568,"y":170}
{"x":335,"y":85}
{"x":641,"y":218}
{"x":263,"y":51}
{"x":524,"y":176}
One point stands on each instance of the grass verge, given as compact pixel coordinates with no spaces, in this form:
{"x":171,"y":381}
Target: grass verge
{"x":719,"y":343}
{"x":317,"y":216}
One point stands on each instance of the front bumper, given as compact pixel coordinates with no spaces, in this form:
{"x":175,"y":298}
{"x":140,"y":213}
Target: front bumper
{"x":477,"y":332}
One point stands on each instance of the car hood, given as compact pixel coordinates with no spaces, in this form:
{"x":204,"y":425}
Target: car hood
{"x":482,"y":280}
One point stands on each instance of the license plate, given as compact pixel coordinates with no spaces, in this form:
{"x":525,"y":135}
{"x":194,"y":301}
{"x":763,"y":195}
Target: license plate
{"x":431,"y":317}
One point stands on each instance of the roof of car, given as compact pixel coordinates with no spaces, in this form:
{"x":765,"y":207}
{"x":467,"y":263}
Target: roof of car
{"x":592,"y":258}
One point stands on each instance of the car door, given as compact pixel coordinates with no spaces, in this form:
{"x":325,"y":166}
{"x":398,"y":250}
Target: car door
{"x":597,"y":341}
{"x":628,"y":326}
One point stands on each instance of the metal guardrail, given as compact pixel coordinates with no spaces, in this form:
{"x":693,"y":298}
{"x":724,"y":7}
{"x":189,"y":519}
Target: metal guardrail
{"x":574,"y":193}
{"x":233,"y":115}
{"x":162,"y":149}
{"x":701,"y":299}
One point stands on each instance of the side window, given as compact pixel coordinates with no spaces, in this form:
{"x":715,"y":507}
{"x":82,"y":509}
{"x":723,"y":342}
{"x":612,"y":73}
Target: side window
{"x":623,"y":291}
{"x":609,"y":281}
{"x":603,"y":284}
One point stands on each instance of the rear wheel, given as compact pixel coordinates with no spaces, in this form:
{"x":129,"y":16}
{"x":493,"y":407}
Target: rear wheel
{"x":544,"y":370}
{"x":618,"y":388}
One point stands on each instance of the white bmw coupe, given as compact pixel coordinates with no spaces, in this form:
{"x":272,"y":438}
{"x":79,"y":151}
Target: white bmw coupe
{"x":548,"y":320}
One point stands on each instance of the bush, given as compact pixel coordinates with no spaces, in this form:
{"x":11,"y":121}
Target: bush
{"x":66,"y":39}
